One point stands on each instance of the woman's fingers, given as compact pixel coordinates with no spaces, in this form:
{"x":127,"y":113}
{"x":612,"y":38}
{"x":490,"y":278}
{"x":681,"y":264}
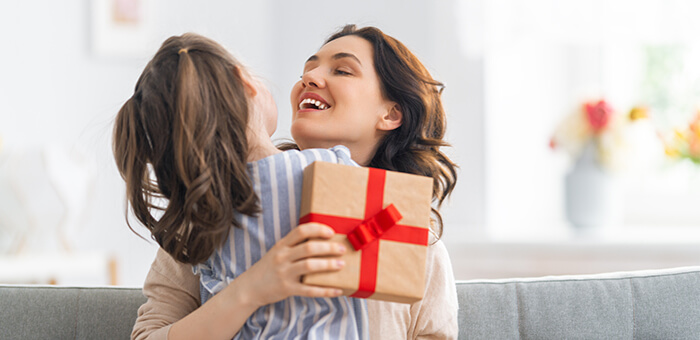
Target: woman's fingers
{"x":305,"y":250}
{"x":313,"y":248}
{"x":315,"y":265}
{"x":315,"y":291}
{"x":307,"y":231}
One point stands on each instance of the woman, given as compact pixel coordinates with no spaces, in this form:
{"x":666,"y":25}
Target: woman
{"x":367,"y":91}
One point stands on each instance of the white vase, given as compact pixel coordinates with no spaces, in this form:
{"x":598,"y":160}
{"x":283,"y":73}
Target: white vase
{"x":593,"y":195}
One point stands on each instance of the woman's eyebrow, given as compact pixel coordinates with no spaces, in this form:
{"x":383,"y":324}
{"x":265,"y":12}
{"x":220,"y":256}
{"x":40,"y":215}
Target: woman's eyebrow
{"x":312,"y":58}
{"x":339,"y":55}
{"x":342,"y":55}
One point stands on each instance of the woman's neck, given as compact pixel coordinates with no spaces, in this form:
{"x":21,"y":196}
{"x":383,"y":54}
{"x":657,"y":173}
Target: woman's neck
{"x":361,"y":153}
{"x":259,"y":148}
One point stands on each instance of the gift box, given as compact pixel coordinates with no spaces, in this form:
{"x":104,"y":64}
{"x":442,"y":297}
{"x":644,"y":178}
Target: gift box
{"x":383,"y":219}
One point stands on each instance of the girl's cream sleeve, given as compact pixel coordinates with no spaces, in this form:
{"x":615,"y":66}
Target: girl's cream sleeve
{"x":172,"y":291}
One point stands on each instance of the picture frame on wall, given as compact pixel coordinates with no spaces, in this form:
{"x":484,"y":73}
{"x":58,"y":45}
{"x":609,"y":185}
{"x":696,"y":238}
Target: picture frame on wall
{"x":122,"y":28}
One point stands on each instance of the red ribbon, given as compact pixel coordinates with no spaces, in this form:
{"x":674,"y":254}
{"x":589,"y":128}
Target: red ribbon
{"x":370,"y":250}
{"x":374,"y":228}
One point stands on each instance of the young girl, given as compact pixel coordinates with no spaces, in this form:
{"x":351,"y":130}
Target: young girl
{"x":375,"y":97}
{"x":196,"y":133}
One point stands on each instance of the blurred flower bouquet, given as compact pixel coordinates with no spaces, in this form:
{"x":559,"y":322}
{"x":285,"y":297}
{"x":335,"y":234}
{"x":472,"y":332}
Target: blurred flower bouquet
{"x":614,"y":141}
{"x":685,"y":144}
{"x":602,"y":142}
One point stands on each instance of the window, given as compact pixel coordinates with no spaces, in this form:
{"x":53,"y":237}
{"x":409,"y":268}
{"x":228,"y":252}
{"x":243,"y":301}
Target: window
{"x":542,"y":60}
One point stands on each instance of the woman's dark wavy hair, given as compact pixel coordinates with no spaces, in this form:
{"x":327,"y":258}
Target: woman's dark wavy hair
{"x":186,"y":126}
{"x":414,"y":147}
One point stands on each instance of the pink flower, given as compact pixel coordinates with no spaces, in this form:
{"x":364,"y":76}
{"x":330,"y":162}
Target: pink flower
{"x":598,"y":115}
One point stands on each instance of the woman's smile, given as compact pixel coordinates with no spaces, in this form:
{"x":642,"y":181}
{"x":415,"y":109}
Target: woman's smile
{"x":309,"y":102}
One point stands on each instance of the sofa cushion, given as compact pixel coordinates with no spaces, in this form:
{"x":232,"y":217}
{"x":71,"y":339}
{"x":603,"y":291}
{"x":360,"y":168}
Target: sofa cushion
{"x":656,"y":304}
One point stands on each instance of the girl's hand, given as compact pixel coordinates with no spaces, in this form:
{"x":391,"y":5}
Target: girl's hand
{"x":277,"y":275}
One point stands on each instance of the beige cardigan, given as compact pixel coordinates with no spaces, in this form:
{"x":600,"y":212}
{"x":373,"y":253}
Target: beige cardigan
{"x":173,"y":292}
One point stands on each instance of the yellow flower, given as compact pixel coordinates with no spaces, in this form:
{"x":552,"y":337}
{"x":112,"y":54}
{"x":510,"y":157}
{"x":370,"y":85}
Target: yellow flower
{"x":685,"y":143}
{"x":638,"y":112}
{"x":679,"y":136}
{"x":672,"y":151}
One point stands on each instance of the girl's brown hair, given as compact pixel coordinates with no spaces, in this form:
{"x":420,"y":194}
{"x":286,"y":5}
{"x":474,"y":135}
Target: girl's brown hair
{"x":414,"y":147}
{"x":181,"y":139}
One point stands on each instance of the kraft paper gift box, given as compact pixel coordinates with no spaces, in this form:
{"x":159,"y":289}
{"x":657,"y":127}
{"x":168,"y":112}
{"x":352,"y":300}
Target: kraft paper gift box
{"x":386,"y":214}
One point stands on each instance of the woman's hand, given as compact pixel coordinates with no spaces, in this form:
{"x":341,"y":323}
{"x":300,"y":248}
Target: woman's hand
{"x":277,"y":275}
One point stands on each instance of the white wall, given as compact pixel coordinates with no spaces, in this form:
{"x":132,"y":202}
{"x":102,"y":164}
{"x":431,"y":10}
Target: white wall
{"x":55,"y":90}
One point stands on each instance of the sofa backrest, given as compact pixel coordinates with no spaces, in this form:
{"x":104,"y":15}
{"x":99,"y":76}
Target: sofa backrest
{"x":54,"y":312}
{"x":656,"y":304}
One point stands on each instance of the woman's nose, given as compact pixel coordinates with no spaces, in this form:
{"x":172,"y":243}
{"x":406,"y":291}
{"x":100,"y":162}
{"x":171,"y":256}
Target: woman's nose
{"x":312,"y":78}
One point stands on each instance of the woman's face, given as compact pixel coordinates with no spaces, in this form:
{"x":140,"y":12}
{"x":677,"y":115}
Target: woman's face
{"x":339,"y":100}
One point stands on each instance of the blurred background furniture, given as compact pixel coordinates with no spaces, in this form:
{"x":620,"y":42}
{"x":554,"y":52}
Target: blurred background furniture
{"x":654,"y":304}
{"x":84,"y":269}
{"x":573,"y":256}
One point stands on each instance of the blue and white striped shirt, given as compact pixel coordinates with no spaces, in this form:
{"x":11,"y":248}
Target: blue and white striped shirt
{"x":277,"y":180}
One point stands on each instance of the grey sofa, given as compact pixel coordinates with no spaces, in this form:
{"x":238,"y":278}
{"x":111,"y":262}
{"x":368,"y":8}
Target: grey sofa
{"x":658,"y":304}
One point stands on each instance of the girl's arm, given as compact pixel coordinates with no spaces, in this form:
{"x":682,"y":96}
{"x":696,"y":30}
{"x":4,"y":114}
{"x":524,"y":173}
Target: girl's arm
{"x":275,"y":277}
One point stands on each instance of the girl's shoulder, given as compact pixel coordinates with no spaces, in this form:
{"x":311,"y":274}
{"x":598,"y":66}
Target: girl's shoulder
{"x":337,"y":154}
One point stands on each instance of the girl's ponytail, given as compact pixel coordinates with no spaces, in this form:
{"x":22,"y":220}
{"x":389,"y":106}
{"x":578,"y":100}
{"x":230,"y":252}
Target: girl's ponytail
{"x":192,"y":106}
{"x":130,"y":156}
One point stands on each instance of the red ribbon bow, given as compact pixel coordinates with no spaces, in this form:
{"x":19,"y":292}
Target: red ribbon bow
{"x":373,"y":228}
{"x":370,"y":250}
